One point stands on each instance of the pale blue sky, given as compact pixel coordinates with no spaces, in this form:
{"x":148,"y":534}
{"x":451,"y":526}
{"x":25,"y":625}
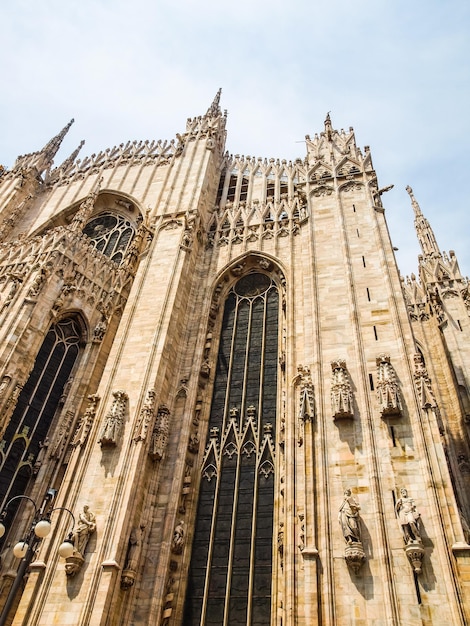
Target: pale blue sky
{"x":397,"y":71}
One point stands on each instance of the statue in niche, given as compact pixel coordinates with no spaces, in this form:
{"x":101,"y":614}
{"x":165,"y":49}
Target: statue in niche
{"x":100,"y":330}
{"x":85,"y":528}
{"x":348,"y":518}
{"x":408,"y":517}
{"x":132,"y":557}
{"x":178,"y":538}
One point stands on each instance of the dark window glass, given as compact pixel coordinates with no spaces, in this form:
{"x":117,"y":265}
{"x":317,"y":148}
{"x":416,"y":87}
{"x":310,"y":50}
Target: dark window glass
{"x":111,"y":234}
{"x":36,"y":406}
{"x":231,"y":565}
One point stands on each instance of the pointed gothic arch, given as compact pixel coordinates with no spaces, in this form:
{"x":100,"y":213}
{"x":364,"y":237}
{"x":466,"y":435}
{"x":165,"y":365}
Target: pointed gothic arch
{"x":230,"y":573}
{"x":37,"y":404}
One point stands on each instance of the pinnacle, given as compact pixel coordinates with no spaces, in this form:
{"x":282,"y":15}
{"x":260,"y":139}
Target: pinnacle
{"x":51,"y":148}
{"x":214,"y":108}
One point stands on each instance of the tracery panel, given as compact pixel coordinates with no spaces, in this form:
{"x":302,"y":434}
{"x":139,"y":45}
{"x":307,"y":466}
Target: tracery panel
{"x":231,"y":566}
{"x":36,"y":406}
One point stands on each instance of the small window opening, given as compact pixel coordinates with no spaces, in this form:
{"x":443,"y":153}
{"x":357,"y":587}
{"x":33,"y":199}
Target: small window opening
{"x":371,"y":382}
{"x":375,"y":333}
{"x":392,"y":433}
{"x":368,"y":293}
{"x":244,"y":189}
{"x":231,"y":188}
{"x":363,"y":261}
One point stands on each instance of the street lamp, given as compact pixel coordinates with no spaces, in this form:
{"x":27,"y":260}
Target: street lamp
{"x":26,"y":548}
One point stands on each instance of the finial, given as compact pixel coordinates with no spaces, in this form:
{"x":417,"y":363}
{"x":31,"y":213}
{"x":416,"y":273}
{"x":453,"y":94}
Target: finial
{"x":328,"y":126}
{"x":214,"y":108}
{"x":414,"y":204}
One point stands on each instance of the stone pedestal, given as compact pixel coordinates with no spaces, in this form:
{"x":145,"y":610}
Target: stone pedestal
{"x":354,"y":555}
{"x":415,"y":553}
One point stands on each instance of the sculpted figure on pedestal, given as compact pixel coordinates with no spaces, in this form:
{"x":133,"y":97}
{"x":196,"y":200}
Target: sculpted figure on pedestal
{"x":408,"y":517}
{"x":348,"y":518}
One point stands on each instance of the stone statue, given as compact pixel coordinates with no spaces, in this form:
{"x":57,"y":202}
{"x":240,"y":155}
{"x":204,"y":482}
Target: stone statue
{"x":408,"y":517}
{"x":86,"y":526}
{"x":178,"y":539}
{"x":132,"y":558}
{"x":348,"y":518}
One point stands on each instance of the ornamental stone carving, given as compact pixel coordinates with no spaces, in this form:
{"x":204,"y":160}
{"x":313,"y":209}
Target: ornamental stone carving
{"x":306,"y":400}
{"x":341,"y":392}
{"x":388,"y":393}
{"x":60,"y":441}
{"x":86,"y":421}
{"x":160,"y":433}
{"x":423,"y":383}
{"x":145,"y":416}
{"x":114,"y":420}
{"x":177,"y":543}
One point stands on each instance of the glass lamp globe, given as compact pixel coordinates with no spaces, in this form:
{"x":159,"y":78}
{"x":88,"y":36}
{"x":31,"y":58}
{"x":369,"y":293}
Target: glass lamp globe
{"x":2,"y":529}
{"x":42,"y":528}
{"x":20,"y":549}
{"x":66,"y":549}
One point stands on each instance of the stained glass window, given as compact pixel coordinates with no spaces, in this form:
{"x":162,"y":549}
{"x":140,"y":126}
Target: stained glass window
{"x":231,"y":566}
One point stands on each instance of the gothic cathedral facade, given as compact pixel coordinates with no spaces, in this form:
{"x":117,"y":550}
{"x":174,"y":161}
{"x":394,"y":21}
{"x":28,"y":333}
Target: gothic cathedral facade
{"x":217,"y":387}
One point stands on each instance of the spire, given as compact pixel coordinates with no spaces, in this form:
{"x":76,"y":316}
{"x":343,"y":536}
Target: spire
{"x":328,"y":127}
{"x":50,"y":149}
{"x":214,"y":108}
{"x":426,"y":237}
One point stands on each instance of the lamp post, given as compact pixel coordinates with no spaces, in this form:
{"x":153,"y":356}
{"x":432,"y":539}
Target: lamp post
{"x":26,"y":548}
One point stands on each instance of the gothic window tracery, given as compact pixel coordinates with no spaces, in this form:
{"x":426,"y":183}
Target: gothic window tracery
{"x":231,"y":565}
{"x":111,"y":234}
{"x":37,"y":405}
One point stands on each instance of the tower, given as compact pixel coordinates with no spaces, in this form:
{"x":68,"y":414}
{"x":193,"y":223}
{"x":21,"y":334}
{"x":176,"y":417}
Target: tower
{"x":212,"y":364}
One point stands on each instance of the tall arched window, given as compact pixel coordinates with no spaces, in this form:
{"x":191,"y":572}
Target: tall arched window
{"x":37,"y":404}
{"x":231,"y":564}
{"x":111,"y":234}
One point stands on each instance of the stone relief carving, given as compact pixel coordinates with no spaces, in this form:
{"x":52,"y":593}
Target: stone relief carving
{"x":306,"y":400}
{"x":114,"y":420}
{"x":37,"y":284}
{"x":100,"y":330}
{"x":145,"y":416}
{"x":60,"y":441}
{"x":423,"y":383}
{"x":86,"y":421}
{"x":160,"y":433}
{"x":186,"y":485}
{"x":341,"y":392}
{"x":177,"y":543}
{"x":388,"y":393}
